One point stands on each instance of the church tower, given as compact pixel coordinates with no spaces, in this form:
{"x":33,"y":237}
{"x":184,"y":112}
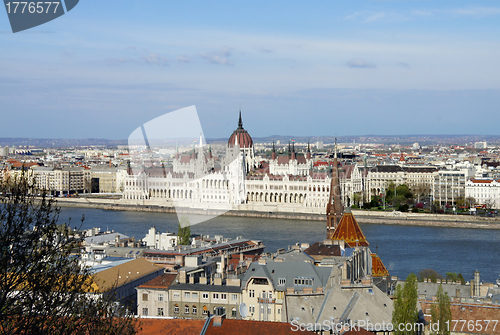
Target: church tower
{"x":334,"y":208}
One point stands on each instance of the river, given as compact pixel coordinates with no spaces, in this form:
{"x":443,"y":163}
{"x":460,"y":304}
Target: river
{"x":403,"y":249}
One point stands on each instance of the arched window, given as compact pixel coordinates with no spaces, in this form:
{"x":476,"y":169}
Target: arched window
{"x":195,"y":310}
{"x":186,"y":309}
{"x":176,"y":309}
{"x":205,"y":310}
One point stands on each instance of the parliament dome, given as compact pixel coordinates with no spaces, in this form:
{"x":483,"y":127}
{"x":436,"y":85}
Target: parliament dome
{"x":240,"y":134}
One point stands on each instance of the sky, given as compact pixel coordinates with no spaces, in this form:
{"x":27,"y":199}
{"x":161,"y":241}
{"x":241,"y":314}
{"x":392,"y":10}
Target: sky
{"x":314,"y":68}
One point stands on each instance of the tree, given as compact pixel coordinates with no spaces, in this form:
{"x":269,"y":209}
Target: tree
{"x":441,"y":313}
{"x":470,"y":201}
{"x":404,"y":190}
{"x":461,"y":278}
{"x":421,"y":189}
{"x":184,"y":231}
{"x":356,"y":198}
{"x":452,"y":276}
{"x":429,"y":274}
{"x":43,"y":287}
{"x":405,"y":305}
{"x":375,"y":201}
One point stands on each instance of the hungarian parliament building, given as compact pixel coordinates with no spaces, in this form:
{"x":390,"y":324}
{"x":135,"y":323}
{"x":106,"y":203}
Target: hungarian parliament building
{"x":288,"y":182}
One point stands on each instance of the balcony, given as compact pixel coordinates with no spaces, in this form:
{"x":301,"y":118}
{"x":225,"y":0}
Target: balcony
{"x":266,"y":300}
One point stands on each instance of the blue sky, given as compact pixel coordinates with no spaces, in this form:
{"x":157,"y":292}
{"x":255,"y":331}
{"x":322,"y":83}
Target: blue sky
{"x":297,"y":68}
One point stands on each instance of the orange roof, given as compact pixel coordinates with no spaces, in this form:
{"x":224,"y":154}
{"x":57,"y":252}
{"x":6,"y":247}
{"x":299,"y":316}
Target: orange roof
{"x":170,"y":326}
{"x":475,"y":313}
{"x":483,"y":181}
{"x":164,"y":281}
{"x":228,"y":327}
{"x":378,"y":268}
{"x":348,"y":230}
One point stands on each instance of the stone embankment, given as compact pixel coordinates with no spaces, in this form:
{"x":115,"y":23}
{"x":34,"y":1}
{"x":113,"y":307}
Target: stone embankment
{"x":369,"y":217}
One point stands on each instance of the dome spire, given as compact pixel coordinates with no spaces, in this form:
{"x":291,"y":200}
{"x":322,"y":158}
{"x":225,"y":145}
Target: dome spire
{"x":240,"y":122}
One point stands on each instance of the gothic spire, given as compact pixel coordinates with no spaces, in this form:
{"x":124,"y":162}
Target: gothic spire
{"x":240,"y":122}
{"x":334,"y":210}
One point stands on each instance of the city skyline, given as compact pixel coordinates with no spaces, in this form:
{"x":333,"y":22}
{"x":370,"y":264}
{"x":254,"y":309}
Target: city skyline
{"x":383,"y":68}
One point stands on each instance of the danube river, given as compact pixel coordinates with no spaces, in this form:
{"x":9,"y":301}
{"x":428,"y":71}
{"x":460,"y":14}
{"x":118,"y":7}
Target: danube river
{"x":403,"y":249}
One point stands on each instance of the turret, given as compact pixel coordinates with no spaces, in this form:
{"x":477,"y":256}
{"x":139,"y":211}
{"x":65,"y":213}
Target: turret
{"x":193,"y":154}
{"x":273,"y":154}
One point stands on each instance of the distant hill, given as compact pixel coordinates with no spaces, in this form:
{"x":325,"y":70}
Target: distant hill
{"x":404,"y":140}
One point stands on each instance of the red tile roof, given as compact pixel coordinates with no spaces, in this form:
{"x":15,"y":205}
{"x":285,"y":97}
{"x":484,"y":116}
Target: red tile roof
{"x":481,"y":181}
{"x":170,"y":326}
{"x":228,"y":327}
{"x":349,"y":231}
{"x":244,"y":327}
{"x":163,"y":281}
{"x":470,"y":312}
{"x":378,"y":268}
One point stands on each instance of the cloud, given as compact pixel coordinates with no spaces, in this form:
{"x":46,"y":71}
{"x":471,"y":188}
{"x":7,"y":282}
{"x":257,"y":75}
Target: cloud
{"x":404,"y":64}
{"x":155,"y":59}
{"x":221,"y":57}
{"x":360,"y":64}
{"x":148,"y":58}
{"x":184,"y":59}
{"x":477,"y":11}
{"x":264,"y":50}
{"x":383,"y":16}
{"x":369,"y":16}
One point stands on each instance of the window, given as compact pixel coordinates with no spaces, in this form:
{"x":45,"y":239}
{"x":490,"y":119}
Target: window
{"x":205,"y":310}
{"x":195,"y":310}
{"x":144,"y":297}
{"x":233,"y":312}
{"x":160,"y":297}
{"x":194,"y":295}
{"x":187,"y":294}
{"x":270,"y":294}
{"x":234,"y":297}
{"x":279,"y":310}
{"x":145,"y":312}
{"x":282,"y":281}
{"x":223,"y":296}
{"x":186,"y":309}
{"x":205,"y":295}
{"x":269,"y":310}
{"x":160,"y":311}
{"x":303,"y":281}
{"x":176,"y":294}
{"x":176,"y":309}
{"x":215,"y":296}
{"x":251,"y":293}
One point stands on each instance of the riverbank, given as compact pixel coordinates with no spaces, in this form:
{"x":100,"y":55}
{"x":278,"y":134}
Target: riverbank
{"x":368,"y":217}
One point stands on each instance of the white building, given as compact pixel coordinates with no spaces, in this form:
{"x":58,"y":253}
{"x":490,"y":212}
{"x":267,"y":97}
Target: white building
{"x":484,"y":191}
{"x":160,"y":241}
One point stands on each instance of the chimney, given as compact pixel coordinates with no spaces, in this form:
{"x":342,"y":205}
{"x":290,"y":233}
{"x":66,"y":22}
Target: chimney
{"x":182,"y":277}
{"x":218,"y":281}
{"x":262,"y":261}
{"x":203,"y":280}
{"x":218,"y":319}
